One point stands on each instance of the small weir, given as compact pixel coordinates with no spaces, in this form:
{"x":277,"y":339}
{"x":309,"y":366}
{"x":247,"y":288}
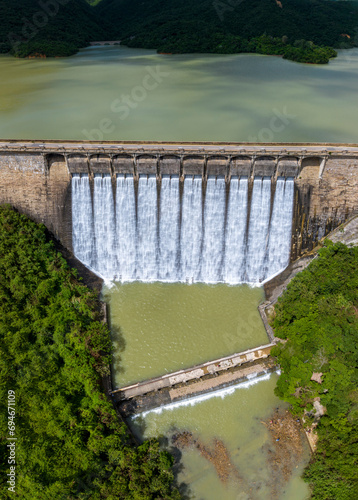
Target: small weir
{"x":247,"y":380}
{"x":185,"y":385}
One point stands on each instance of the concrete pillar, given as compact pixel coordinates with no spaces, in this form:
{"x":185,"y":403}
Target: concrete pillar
{"x":264,"y":166}
{"x":77,"y":164}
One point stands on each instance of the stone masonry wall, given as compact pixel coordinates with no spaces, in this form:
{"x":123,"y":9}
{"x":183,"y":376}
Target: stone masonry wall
{"x":326,"y":195}
{"x":40,"y":188}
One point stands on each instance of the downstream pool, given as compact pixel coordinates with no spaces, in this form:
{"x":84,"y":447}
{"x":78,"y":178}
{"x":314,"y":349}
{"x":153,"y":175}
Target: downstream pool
{"x":163,"y":327}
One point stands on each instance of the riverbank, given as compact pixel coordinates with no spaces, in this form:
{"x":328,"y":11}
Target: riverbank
{"x":286,"y":449}
{"x":316,"y":318}
{"x":302,"y":51}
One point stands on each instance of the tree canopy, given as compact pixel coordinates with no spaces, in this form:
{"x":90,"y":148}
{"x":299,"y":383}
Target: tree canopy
{"x":318,"y":318}
{"x":50,"y":28}
{"x":300,"y":30}
{"x":54,"y":351}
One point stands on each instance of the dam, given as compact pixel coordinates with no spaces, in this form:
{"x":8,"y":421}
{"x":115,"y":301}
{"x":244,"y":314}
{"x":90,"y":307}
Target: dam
{"x":191,"y":213}
{"x":177,"y":186}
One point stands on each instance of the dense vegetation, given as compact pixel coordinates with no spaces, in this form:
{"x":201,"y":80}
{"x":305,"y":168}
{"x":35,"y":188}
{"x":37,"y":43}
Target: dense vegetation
{"x":51,"y":28}
{"x":300,"y":51}
{"x":318,"y":316}
{"x":54,"y":350}
{"x":300,"y":30}
{"x":228,"y":26}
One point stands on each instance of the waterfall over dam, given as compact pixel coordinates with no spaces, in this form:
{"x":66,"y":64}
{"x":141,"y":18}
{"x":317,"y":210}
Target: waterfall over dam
{"x":194,"y":230}
{"x":37,"y":179}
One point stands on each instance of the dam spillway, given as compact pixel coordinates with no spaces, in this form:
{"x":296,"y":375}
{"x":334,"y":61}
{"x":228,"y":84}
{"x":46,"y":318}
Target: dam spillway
{"x":182,"y":230}
{"x":36,"y":178}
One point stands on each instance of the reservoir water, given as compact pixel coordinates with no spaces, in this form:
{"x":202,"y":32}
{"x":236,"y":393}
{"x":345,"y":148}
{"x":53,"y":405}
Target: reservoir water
{"x":116,"y":93}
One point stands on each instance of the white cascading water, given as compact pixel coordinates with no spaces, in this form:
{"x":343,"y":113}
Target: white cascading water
{"x":258,"y":230}
{"x":191,"y":229}
{"x":147,"y":224}
{"x":169,"y":229}
{"x":104,"y":226}
{"x":214,"y":230}
{"x":252,"y":379}
{"x":281,"y":223}
{"x":172,"y":239}
{"x":126,"y":226}
{"x":82,"y":220}
{"x":235,"y":244}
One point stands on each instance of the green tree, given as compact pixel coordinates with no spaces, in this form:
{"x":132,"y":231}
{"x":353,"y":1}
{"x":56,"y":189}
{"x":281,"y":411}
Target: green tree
{"x":54,"y":351}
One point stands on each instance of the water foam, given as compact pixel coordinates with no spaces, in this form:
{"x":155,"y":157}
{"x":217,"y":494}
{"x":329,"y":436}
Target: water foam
{"x":252,"y":379}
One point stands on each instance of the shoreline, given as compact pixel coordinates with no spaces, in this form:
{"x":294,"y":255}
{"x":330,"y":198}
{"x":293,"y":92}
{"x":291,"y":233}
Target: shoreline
{"x":116,"y":43}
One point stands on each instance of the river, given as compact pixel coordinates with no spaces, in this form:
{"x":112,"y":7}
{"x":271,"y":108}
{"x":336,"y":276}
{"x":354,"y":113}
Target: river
{"x":116,"y":93}
{"x":236,"y":418}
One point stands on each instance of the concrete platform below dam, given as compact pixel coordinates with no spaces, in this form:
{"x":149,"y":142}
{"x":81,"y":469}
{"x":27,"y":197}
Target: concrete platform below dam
{"x":201,"y":378}
{"x":210,"y":383}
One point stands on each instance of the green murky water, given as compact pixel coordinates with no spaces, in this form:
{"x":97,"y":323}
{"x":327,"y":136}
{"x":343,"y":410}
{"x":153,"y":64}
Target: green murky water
{"x":162,"y":327}
{"x":235,"y":419}
{"x":196,"y":97}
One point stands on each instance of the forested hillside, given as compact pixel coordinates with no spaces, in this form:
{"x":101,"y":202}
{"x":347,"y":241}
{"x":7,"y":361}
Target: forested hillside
{"x":54,"y":350}
{"x":320,"y":21}
{"x":231,"y":25}
{"x":300,"y":30}
{"x":318,"y":317}
{"x":51,"y":28}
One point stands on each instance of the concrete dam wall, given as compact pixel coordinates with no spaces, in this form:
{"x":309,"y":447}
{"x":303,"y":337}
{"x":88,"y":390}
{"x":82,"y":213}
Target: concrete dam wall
{"x":36,"y":177}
